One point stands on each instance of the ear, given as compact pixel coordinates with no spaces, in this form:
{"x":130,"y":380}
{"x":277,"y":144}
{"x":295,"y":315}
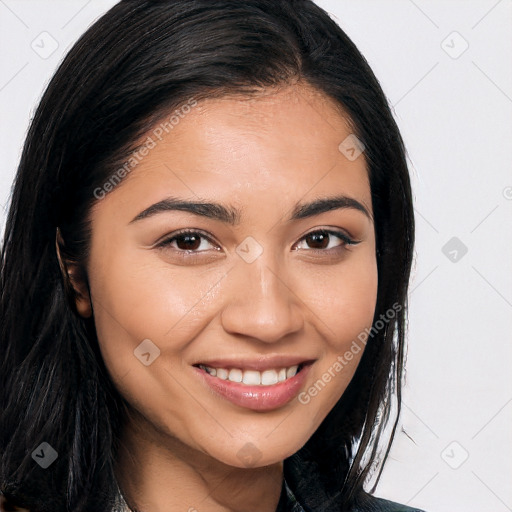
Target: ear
{"x":75,"y":280}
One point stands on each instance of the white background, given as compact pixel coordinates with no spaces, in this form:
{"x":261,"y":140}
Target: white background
{"x":454,"y":109}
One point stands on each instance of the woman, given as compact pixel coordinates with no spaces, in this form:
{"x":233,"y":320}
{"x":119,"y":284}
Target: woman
{"x":205,"y":268}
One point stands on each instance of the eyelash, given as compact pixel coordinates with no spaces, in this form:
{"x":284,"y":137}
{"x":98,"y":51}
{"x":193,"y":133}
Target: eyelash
{"x":346,"y":241}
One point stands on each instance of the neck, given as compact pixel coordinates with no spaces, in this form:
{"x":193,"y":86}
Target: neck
{"x":158,"y":473}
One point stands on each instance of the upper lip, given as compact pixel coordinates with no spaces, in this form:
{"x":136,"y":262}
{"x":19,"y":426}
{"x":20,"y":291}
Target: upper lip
{"x":259,"y":364}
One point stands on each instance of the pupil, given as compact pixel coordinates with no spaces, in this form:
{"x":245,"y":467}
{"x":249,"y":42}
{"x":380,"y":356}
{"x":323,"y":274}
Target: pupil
{"x":319,"y":240}
{"x":190,"y":240}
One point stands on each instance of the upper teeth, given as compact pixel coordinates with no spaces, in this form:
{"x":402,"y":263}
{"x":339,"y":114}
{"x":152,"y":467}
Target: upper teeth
{"x":252,"y":377}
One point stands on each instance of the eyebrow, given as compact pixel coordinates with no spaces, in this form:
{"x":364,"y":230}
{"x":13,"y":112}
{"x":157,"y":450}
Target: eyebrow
{"x":232,"y":216}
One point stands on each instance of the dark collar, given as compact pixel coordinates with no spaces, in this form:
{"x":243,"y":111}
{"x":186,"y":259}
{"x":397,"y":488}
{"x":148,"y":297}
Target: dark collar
{"x":287,"y":501}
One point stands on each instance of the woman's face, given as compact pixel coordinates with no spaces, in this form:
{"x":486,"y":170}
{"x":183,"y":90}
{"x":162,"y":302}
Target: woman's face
{"x":265,"y":280}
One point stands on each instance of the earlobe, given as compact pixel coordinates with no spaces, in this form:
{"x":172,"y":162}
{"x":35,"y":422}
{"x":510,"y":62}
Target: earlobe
{"x":82,"y":298}
{"x":75,"y":281}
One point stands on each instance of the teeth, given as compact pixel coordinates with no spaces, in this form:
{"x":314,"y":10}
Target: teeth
{"x":211,"y":371}
{"x":252,"y":377}
{"x":235,"y":375}
{"x":221,"y":373}
{"x":290,"y":372}
{"x":269,"y":377}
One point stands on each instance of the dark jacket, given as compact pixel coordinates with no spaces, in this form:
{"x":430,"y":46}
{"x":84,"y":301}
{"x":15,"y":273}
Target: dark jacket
{"x":306,"y":487}
{"x":288,"y":502}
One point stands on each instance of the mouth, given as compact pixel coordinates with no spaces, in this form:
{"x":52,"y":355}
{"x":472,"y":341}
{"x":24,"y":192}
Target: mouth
{"x":259,"y":386}
{"x":253,"y":377}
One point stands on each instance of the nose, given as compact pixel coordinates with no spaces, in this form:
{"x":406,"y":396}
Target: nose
{"x":262,"y":303}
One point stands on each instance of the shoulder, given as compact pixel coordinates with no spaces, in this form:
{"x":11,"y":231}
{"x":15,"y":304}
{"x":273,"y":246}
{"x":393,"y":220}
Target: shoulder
{"x":367,"y":503}
{"x":5,"y":506}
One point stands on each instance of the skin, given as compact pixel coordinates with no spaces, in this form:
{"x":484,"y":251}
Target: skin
{"x":263,"y":154}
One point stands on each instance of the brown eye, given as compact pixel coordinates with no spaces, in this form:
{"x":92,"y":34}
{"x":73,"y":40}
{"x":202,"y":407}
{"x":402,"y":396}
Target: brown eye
{"x":318,"y":240}
{"x":188,"y":242}
{"x":325,"y":240}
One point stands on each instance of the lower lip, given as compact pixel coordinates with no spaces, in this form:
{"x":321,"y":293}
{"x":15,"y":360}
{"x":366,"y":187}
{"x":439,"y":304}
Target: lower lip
{"x":257,"y":398}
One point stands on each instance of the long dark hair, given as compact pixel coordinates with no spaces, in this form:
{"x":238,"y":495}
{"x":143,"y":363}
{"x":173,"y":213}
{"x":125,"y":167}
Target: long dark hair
{"x":139,"y":61}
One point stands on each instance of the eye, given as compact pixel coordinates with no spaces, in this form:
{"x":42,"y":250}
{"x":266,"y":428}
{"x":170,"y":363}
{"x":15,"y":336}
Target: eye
{"x":188,"y":241}
{"x":325,"y":240}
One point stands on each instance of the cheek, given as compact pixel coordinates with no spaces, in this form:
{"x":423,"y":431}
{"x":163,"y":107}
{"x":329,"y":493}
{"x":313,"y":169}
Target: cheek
{"x":134,"y":301}
{"x":345,"y":298}
{"x":353,"y":307}
{"x":345,"y":305}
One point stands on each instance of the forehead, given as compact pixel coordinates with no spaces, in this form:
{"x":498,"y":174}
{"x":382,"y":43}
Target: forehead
{"x":280,"y":142}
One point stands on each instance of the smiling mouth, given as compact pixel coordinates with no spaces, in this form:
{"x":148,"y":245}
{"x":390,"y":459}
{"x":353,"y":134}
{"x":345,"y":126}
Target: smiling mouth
{"x":253,"y":377}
